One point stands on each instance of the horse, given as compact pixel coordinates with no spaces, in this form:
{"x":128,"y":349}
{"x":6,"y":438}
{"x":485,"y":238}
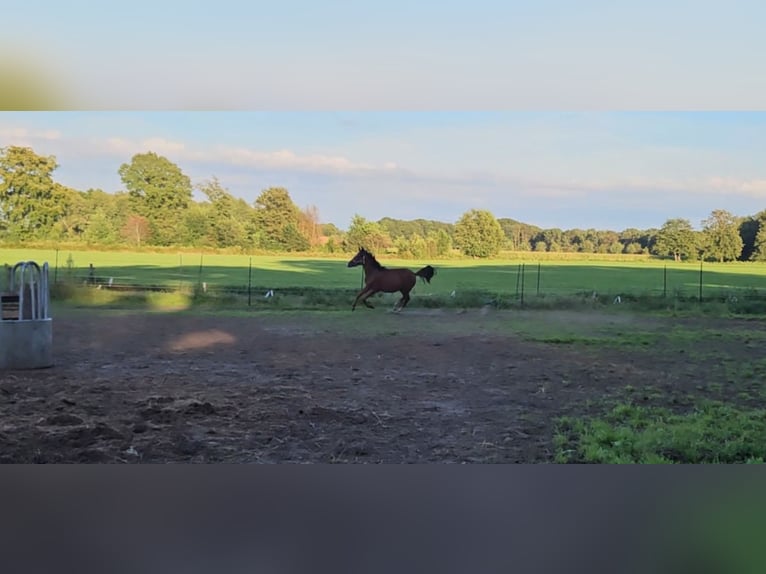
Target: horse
{"x":378,"y":278}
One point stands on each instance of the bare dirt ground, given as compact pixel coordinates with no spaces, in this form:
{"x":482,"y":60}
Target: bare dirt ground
{"x":149,"y":387}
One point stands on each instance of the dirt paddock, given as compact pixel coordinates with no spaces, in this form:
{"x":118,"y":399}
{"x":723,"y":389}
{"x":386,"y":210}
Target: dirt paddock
{"x":181,"y":388}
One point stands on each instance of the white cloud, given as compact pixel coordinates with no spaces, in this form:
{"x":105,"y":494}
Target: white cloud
{"x":122,"y":146}
{"x":284,"y":159}
{"x":747,"y":187}
{"x":24,"y":136}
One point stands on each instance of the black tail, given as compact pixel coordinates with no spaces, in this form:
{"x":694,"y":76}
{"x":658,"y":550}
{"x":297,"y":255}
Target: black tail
{"x":426,"y":273}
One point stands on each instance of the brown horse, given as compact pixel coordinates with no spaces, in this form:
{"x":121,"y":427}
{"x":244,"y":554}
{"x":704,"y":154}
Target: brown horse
{"x":381,"y":279}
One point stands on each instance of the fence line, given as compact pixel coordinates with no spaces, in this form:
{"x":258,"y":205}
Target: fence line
{"x":551,"y":280}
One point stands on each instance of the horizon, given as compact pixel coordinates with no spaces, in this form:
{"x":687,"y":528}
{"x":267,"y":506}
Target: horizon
{"x":566,"y":170}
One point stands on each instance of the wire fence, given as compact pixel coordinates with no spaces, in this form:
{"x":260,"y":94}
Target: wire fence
{"x":522,"y":284}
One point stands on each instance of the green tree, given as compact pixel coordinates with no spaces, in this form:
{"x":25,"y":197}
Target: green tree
{"x":553,"y":239}
{"x":676,"y":238}
{"x":721,"y":236}
{"x":294,"y":240}
{"x":367,"y":234}
{"x":159,"y":191}
{"x":749,"y":228}
{"x":641,"y":241}
{"x":31,"y":203}
{"x":73,"y":218}
{"x":418,"y":246}
{"x":333,"y":237}
{"x":100,"y":229}
{"x":277,"y":221}
{"x":227,"y":216}
{"x":518,"y":235}
{"x":106,"y":214}
{"x":759,"y":249}
{"x":478,"y":234}
{"x":196,"y":229}
{"x":443,"y":243}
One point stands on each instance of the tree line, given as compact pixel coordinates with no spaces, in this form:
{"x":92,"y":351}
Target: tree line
{"x":156,"y":208}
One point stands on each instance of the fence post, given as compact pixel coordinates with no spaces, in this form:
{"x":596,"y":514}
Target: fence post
{"x":518,"y":279}
{"x":249,"y":282}
{"x":56,"y":269}
{"x":523,"y":267}
{"x":180,"y":270}
{"x":538,"y":278}
{"x":200,"y":269}
{"x":700,"y":281}
{"x":665,"y":282}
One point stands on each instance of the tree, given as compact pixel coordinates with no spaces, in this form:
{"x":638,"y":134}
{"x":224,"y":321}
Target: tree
{"x":72,"y":220}
{"x":478,"y":234}
{"x":418,"y":246}
{"x":367,"y":234}
{"x":638,"y":241}
{"x":749,"y":228}
{"x":30,"y":201}
{"x":759,"y":249}
{"x":100,"y":229}
{"x":332,"y":236}
{"x":676,"y":238}
{"x":136,"y":230}
{"x":196,"y":228}
{"x":106,"y":215}
{"x":552,"y":239}
{"x":308,"y":225}
{"x":721,"y":236}
{"x":227,"y":217}
{"x":159,"y":191}
{"x":443,"y":243}
{"x":518,"y":235}
{"x":277,"y":221}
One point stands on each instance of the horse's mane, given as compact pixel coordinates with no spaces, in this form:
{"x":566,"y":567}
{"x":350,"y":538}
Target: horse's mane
{"x":375,"y":262}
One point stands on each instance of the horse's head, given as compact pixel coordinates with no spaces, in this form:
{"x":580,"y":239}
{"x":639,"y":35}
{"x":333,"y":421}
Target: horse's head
{"x":359,"y":258}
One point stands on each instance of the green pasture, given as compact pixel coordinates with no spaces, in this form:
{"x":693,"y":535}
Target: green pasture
{"x":639,"y":277}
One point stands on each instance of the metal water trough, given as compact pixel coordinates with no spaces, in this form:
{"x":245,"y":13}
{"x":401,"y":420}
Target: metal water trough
{"x":26,"y":327}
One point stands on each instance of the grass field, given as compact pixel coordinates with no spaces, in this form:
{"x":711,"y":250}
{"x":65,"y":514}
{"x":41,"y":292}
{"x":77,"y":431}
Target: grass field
{"x":640,"y":277}
{"x":630,"y":388}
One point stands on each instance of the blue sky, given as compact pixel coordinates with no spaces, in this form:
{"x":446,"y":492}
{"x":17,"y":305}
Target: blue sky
{"x":565,"y":153}
{"x":608,"y":170}
{"x":403,"y":55}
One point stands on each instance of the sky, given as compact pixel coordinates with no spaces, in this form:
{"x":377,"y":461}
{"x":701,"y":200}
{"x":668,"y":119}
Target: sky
{"x":604,"y":170}
{"x":599,"y":113}
{"x":404,"y":55}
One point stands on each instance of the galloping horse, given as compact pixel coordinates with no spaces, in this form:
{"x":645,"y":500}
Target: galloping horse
{"x":378,"y":278}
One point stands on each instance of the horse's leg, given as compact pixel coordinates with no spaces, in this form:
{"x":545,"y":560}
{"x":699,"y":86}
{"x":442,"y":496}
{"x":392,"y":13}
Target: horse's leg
{"x":405,"y":299}
{"x":359,"y":296}
{"x":366,"y":302}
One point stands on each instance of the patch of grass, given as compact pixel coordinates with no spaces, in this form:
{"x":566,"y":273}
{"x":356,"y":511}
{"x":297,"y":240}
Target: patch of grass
{"x":713,"y":432}
{"x":89,"y":297}
{"x":619,"y":340}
